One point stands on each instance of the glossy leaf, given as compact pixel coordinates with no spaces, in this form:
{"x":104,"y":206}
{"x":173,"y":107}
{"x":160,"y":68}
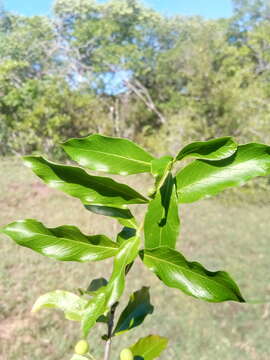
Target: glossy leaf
{"x":125,"y":234}
{"x":161,"y":166}
{"x":124,"y":216}
{"x":65,"y":243}
{"x":96,"y":284}
{"x":203,"y":178}
{"x":126,"y":254}
{"x":91,"y":190}
{"x":191,"y":277}
{"x":109,"y":294}
{"x":71,"y":304}
{"x":109,"y":154}
{"x":95,"y":308}
{"x":138,"y":308}
{"x":162,"y":223}
{"x":149,"y":347}
{"x":215,"y":149}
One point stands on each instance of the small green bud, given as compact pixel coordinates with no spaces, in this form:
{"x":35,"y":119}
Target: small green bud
{"x":81,"y":347}
{"x":126,"y":354}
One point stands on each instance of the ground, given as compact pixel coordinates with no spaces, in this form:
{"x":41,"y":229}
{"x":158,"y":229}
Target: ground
{"x":232,"y":236}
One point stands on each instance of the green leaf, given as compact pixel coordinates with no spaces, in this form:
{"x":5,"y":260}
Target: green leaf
{"x":125,"y":234}
{"x":94,"y":309}
{"x":124,"y":216}
{"x":203,"y":178}
{"x":108,"y":154}
{"x":109,"y":294}
{"x":138,"y":308}
{"x":162,"y":223}
{"x":191,"y":277}
{"x":72,"y":305}
{"x":96,"y":284}
{"x":65,"y":243}
{"x":149,"y":347}
{"x":91,"y":190}
{"x":161,"y":166}
{"x":215,"y":149}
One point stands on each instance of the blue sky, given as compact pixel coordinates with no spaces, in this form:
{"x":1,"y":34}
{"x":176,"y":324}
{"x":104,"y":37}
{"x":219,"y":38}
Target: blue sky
{"x":207,"y":8}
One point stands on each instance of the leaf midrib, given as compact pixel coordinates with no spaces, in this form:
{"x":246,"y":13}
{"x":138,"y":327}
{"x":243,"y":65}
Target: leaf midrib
{"x":120,"y":192}
{"x":192,"y":272}
{"x":114,"y":155}
{"x":73,"y":241}
{"x":113,"y":185}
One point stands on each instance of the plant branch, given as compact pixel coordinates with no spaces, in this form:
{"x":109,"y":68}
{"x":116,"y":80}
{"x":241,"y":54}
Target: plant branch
{"x":110,"y":330}
{"x":142,"y":93}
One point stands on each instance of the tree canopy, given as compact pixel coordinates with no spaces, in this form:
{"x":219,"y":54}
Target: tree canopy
{"x":121,"y":68}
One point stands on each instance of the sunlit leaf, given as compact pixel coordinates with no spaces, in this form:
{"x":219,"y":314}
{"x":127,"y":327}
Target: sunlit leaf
{"x":161,"y":166}
{"x":149,"y":348}
{"x":203,"y":178}
{"x":109,"y":294}
{"x":162,"y":223}
{"x":66,"y":243}
{"x":109,"y":154}
{"x":71,"y":304}
{"x":91,"y":190}
{"x":215,"y":149}
{"x":192,"y":278}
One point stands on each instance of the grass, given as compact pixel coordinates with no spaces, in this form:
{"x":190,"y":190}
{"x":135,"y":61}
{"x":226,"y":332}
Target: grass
{"x":233,"y":236}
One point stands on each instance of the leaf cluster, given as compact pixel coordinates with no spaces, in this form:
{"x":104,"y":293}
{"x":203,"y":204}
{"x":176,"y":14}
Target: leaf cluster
{"x":216,"y":165}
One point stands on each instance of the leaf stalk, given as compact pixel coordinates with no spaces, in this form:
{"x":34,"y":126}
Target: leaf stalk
{"x":108,"y":343}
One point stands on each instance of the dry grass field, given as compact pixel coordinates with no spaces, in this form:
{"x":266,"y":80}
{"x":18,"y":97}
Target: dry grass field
{"x":233,"y":236}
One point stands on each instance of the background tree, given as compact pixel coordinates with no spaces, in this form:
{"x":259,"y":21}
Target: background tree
{"x":123,"y":69}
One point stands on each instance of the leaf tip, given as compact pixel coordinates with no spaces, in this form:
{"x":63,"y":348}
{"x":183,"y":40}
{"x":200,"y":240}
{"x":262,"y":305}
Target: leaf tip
{"x":35,"y":309}
{"x":29,"y":160}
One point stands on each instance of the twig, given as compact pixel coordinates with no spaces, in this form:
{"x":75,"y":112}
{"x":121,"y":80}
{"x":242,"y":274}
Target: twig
{"x":110,"y":329}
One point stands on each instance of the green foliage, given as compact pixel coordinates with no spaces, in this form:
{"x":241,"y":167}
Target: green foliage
{"x":109,"y":66}
{"x":64,"y":243}
{"x":216,"y":149}
{"x":149,"y":348}
{"x":230,"y":165}
{"x":204,"y":177}
{"x":138,"y":308}
{"x":71,"y":304}
{"x":192,"y":278}
{"x":36,"y":120}
{"x":115,"y":156}
{"x":91,"y":190}
{"x":108,"y":295}
{"x":161,"y":224}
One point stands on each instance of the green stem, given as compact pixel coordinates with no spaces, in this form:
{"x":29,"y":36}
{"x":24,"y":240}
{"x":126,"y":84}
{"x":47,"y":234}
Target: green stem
{"x":108,"y":344}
